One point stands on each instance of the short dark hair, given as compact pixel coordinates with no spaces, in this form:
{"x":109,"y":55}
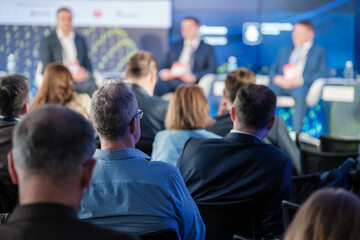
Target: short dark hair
{"x":196,"y":20}
{"x":14,"y":93}
{"x":63,"y":9}
{"x":255,"y":106}
{"x":112,"y":108}
{"x":141,"y":64}
{"x":307,"y":24}
{"x":53,"y":141}
{"x":237,"y":79}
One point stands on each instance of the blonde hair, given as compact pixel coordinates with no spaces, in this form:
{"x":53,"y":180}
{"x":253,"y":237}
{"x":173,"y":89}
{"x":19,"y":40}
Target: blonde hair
{"x":188,"y":109}
{"x":57,"y":87}
{"x":141,"y":64}
{"x":328,"y":214}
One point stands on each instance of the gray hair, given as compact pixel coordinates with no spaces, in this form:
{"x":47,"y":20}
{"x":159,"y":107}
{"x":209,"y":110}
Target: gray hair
{"x":53,"y":141}
{"x":14,"y":93}
{"x":112,"y":108}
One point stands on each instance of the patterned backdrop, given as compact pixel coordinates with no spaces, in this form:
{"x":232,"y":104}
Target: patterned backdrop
{"x":109,"y":48}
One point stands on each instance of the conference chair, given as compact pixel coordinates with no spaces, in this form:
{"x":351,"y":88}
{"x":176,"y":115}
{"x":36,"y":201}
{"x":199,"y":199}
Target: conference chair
{"x":166,"y":234}
{"x":340,"y":145}
{"x":313,"y":160}
{"x":289,"y":211}
{"x":304,"y":186}
{"x":223,"y":220}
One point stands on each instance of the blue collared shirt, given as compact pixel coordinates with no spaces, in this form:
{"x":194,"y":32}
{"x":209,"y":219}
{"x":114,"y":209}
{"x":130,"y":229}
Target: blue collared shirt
{"x":130,"y":193}
{"x":168,"y":144}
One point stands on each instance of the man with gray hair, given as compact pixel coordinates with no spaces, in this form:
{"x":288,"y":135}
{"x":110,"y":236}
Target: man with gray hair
{"x":128,"y":191}
{"x":14,"y":103}
{"x":52,"y":171}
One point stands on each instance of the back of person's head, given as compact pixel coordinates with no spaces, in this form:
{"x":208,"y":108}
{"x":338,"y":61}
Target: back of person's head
{"x":188,"y":109}
{"x":328,"y":214}
{"x":57,"y":87}
{"x":141,"y":64}
{"x":255,"y":106}
{"x":112,"y":108}
{"x":237,"y":79}
{"x":14,"y":93}
{"x":52,"y":142}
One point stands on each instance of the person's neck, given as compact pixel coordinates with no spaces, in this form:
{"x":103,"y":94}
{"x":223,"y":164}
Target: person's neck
{"x":121,"y":143}
{"x":143,"y":82}
{"x":261,"y":133}
{"x":34,"y":190}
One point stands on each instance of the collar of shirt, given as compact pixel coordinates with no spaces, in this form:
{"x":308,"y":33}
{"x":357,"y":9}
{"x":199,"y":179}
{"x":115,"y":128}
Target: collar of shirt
{"x":9,"y":119}
{"x":147,"y":91}
{"x":62,"y":36}
{"x":120,"y":154}
{"x":194,"y":44}
{"x":242,"y":132}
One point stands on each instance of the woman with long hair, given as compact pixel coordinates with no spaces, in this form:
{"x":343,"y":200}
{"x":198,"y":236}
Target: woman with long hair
{"x":186,"y":117}
{"x":58,"y":88}
{"x":328,"y":214}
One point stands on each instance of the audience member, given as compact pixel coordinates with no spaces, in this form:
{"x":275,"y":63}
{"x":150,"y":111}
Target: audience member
{"x":14,"y":103}
{"x":142,"y":73}
{"x":297,"y":67}
{"x":187,"y":61}
{"x":58,"y":88}
{"x":187,"y":116}
{"x":128,"y":191}
{"x":328,"y":214}
{"x":52,"y":171}
{"x":240,"y":166}
{"x":66,"y":46}
{"x":278,"y":135}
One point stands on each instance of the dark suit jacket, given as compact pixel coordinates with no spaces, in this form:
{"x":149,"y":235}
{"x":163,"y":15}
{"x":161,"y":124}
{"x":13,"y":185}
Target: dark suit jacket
{"x":315,"y":67}
{"x":52,"y":221}
{"x":204,"y":58}
{"x":238,"y":167}
{"x":8,"y":191}
{"x":51,"y":51}
{"x":278,"y":136}
{"x":153,"y":120}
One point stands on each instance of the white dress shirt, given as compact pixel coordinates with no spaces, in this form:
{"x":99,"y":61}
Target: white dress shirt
{"x":69,"y":53}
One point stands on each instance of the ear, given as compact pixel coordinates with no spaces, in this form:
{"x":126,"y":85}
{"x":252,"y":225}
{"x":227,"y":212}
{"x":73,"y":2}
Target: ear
{"x":224,"y":94}
{"x":25,"y":108}
{"x":232,"y":114}
{"x":11,"y":168}
{"x":133,"y":125}
{"x":271,"y":123}
{"x":87,"y":173}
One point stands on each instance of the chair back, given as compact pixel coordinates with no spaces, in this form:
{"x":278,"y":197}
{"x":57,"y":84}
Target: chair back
{"x":332,"y":144}
{"x":223,"y":220}
{"x":304,"y":186}
{"x":313,"y":160}
{"x":166,"y":234}
{"x":289,"y":211}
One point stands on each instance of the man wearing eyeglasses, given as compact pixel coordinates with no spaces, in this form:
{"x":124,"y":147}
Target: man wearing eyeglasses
{"x":128,"y":191}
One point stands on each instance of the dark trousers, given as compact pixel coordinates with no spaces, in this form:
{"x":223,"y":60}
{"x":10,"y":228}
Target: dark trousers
{"x":163,"y":87}
{"x":299,"y":95}
{"x":88,"y":86}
